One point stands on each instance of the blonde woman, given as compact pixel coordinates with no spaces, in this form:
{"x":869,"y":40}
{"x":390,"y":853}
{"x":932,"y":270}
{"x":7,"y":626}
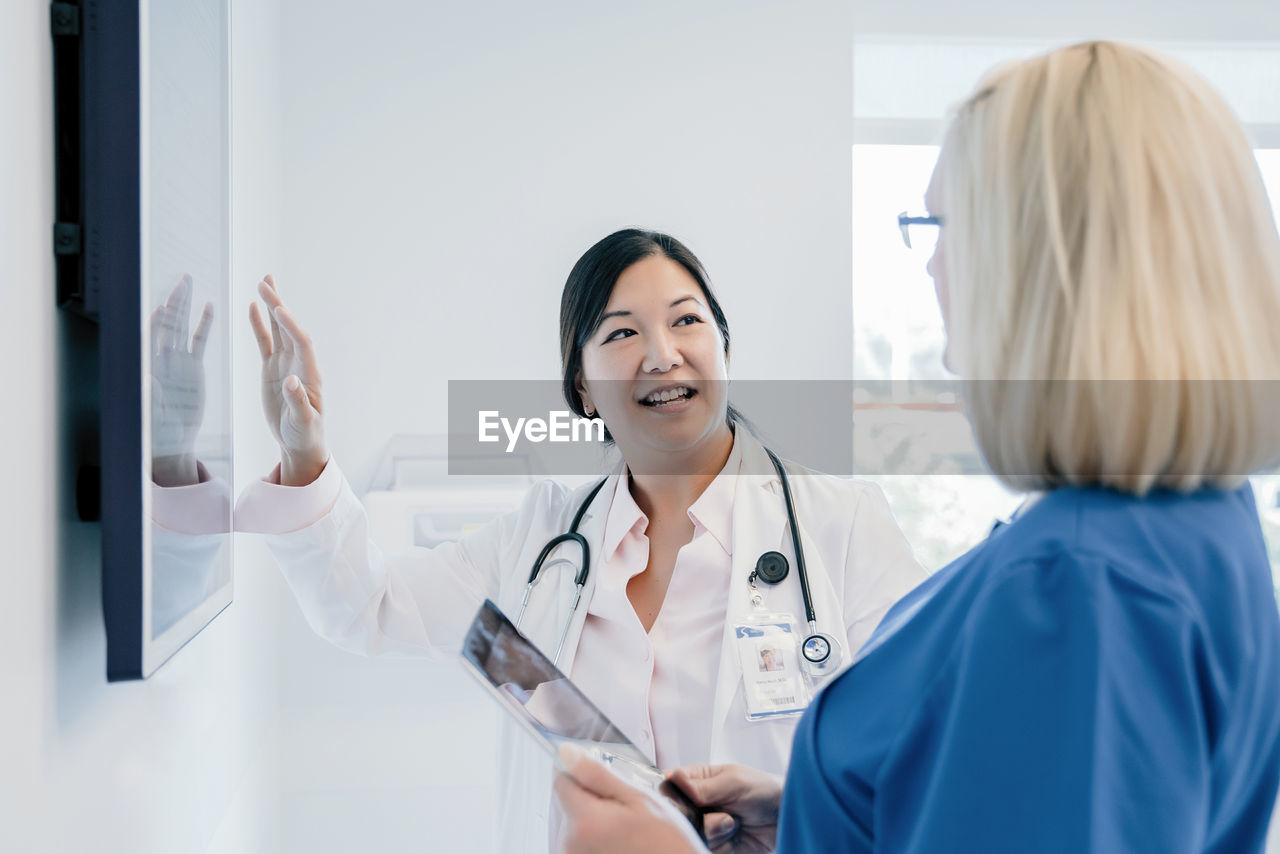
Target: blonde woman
{"x":1104,"y":673}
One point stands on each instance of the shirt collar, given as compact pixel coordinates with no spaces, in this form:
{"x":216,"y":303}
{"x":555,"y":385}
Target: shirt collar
{"x":713,"y":509}
{"x":624,"y":515}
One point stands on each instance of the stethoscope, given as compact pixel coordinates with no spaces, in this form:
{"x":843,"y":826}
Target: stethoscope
{"x":820,"y":650}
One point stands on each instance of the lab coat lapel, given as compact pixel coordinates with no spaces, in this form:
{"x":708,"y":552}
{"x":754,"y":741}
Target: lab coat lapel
{"x":759,"y":525}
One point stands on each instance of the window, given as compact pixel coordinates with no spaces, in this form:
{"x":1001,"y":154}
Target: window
{"x":898,"y":336}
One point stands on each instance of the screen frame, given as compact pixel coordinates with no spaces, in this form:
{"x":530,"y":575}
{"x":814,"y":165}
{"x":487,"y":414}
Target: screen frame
{"x":103,"y":86}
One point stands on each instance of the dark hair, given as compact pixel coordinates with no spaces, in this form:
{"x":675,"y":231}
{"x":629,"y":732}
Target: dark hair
{"x":590,"y":283}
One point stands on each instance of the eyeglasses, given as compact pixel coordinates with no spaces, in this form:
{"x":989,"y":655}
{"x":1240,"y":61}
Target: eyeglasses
{"x":905,"y":222}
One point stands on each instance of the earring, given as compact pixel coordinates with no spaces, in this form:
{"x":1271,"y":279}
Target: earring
{"x":591,"y":413}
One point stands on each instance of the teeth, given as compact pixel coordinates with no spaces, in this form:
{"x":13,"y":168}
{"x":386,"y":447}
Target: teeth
{"x":665,"y":396}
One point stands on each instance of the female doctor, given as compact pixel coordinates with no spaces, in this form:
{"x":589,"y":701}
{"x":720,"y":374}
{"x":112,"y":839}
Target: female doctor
{"x":675,"y":536}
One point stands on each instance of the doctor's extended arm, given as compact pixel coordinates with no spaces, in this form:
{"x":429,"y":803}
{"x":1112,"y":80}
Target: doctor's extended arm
{"x":418,"y":602}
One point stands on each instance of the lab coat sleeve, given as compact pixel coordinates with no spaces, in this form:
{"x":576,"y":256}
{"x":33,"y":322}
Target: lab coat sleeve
{"x":189,"y":525}
{"x":881,"y":567}
{"x":186,"y":569}
{"x":200,"y":508}
{"x":1071,"y":717}
{"x":418,"y":602}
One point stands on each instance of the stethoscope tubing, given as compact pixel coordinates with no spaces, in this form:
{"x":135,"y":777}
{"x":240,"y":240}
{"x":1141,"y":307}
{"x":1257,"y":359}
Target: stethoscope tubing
{"x":579,"y":581}
{"x":584,"y":570}
{"x":809,"y":613}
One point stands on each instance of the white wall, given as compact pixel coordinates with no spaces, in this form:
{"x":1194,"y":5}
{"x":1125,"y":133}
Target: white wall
{"x":447,"y":164}
{"x":183,"y":762}
{"x":1145,"y":20}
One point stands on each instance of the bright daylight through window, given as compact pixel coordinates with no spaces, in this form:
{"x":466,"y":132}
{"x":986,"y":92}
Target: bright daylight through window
{"x":898,"y":336}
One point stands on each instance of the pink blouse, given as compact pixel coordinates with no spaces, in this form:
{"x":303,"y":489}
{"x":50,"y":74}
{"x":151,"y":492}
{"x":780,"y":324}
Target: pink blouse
{"x":659,"y":687}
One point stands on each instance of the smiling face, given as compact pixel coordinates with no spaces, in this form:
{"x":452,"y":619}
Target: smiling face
{"x":655,"y":370}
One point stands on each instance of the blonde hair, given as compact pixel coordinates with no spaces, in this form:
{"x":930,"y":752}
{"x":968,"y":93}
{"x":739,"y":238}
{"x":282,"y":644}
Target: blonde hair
{"x":1114,"y":275}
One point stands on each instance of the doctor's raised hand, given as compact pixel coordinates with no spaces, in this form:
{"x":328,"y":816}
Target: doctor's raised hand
{"x":291,"y":396}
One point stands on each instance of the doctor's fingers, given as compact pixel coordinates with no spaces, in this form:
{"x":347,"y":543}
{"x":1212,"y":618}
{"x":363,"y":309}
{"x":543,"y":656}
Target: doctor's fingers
{"x":174,"y":305}
{"x":299,"y":344}
{"x":593,"y":825}
{"x":260,"y":332}
{"x":201,"y":338}
{"x":587,"y":815}
{"x":708,"y":785}
{"x":719,"y":828}
{"x":157,"y":330}
{"x":185,"y":286}
{"x":595,"y":777}
{"x":751,"y":795}
{"x":166,"y":318}
{"x":267,"y":290}
{"x":303,"y":408}
{"x":577,"y":800}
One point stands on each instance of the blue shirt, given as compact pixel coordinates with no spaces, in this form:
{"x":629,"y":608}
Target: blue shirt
{"x":1103,"y":674}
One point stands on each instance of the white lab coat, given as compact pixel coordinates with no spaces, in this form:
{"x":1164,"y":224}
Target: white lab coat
{"x":422,"y":601}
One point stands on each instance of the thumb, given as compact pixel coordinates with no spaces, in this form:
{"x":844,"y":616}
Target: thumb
{"x":295,"y":394}
{"x":718,"y":827}
{"x":704,"y":784}
{"x":593,"y":776}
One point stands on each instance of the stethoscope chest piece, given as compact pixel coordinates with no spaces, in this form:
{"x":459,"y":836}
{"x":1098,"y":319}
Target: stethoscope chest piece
{"x":772,"y":567}
{"x":817,"y":649}
{"x":821,"y":653}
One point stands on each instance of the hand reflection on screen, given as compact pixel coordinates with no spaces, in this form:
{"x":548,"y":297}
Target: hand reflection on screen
{"x":190,"y":516}
{"x":177,"y":386}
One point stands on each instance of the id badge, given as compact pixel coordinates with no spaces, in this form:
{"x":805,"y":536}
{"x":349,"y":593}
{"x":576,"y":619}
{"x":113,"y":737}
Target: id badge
{"x":769,"y":651}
